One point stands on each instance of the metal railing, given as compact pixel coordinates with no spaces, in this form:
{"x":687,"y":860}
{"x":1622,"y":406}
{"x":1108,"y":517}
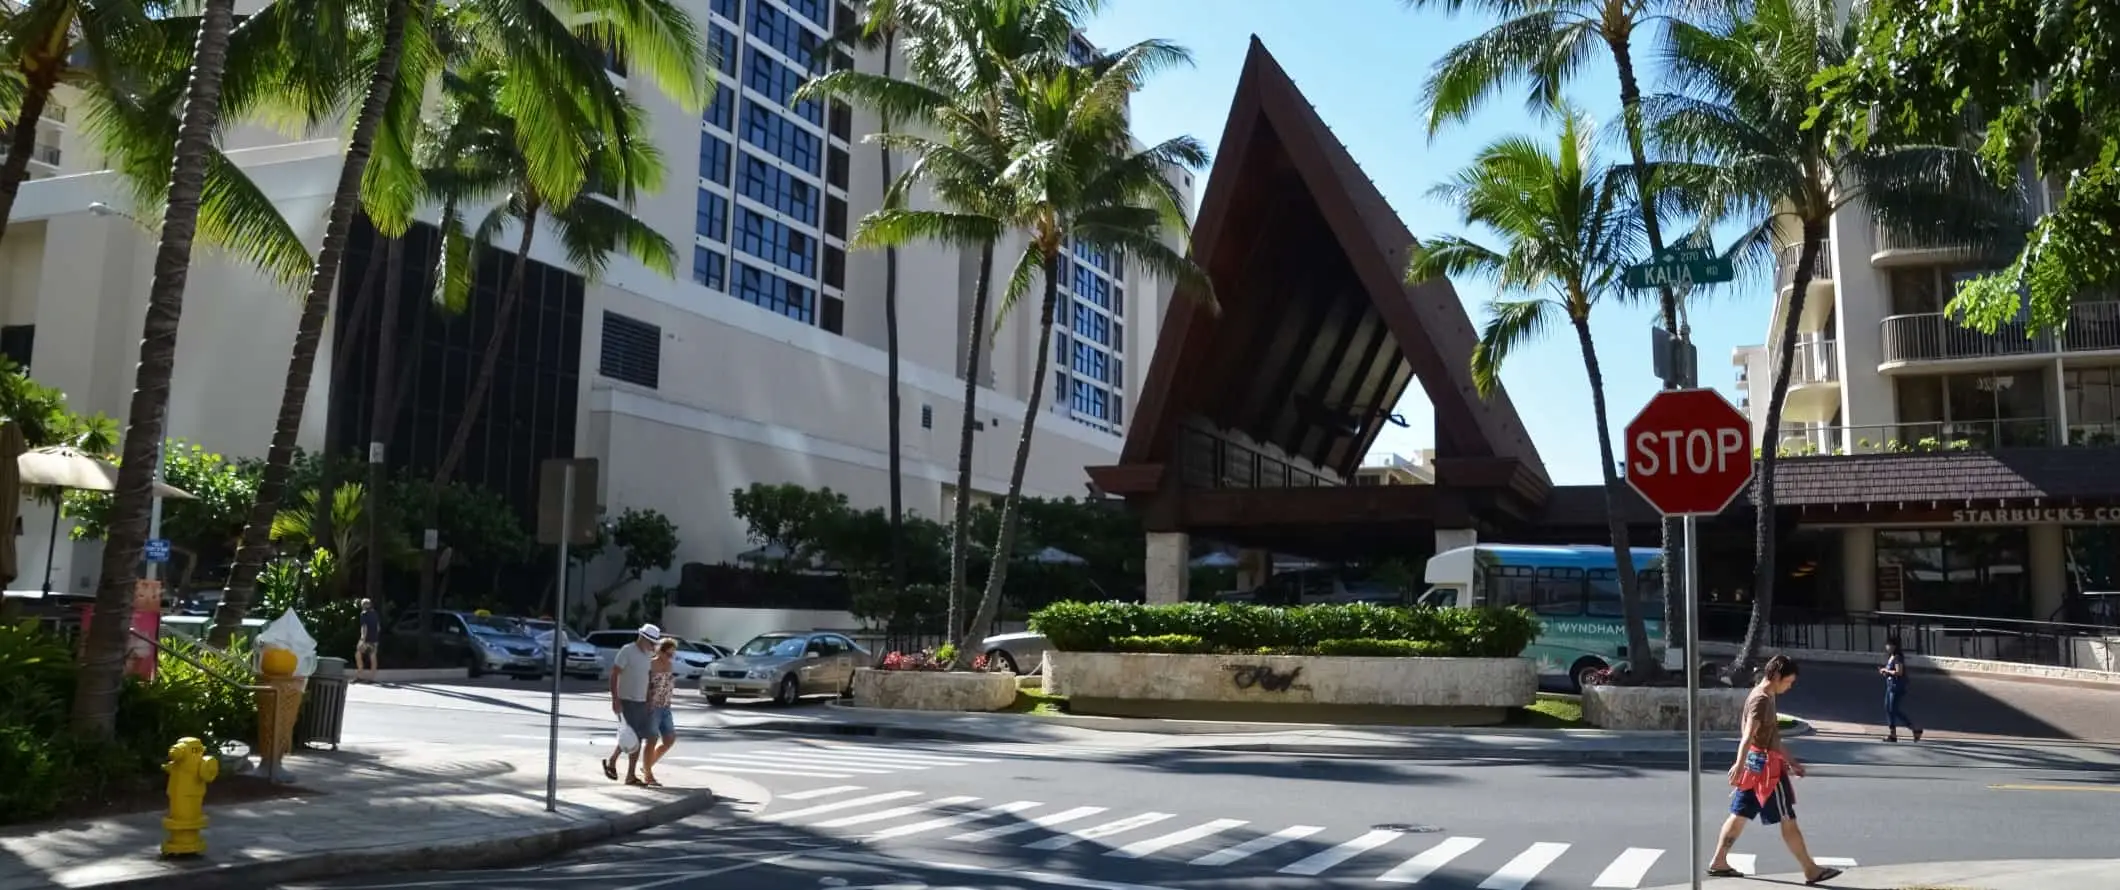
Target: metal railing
{"x":1890,"y":238}
{"x":48,"y":154}
{"x":1785,"y":261}
{"x":2093,"y":326}
{"x":1916,"y":438}
{"x":1210,"y":461}
{"x":1932,"y":336}
{"x":2094,"y":435}
{"x":2016,"y":640}
{"x":1814,"y":362}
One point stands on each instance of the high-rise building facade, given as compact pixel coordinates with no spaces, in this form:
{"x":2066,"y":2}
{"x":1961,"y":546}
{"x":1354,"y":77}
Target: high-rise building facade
{"x":763,"y":360}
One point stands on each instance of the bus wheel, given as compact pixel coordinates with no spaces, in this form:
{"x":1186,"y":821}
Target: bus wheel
{"x":1583,"y":672}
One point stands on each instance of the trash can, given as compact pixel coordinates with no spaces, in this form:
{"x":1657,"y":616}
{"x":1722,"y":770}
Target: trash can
{"x":324,"y":706}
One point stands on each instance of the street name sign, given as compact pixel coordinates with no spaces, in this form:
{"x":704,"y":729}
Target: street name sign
{"x":1681,"y":266}
{"x":1689,"y":452}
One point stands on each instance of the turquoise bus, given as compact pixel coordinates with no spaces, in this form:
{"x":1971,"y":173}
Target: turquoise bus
{"x":1574,"y":591}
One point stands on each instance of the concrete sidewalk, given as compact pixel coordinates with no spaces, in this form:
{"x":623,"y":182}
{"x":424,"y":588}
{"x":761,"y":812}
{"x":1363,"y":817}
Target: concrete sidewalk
{"x":371,"y":809}
{"x":2005,"y":874}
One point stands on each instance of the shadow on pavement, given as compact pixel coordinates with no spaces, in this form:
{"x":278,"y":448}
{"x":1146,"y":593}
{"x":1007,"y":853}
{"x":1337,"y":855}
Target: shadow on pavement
{"x":1951,"y":704}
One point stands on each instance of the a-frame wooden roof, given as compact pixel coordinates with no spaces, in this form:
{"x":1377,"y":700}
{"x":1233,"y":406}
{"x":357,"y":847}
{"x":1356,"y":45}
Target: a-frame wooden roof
{"x":1319,"y":333}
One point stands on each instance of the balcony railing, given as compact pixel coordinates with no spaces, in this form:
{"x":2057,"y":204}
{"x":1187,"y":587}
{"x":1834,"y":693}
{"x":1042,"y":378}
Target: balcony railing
{"x":1815,"y":362}
{"x":1785,"y":261}
{"x":1918,"y":438}
{"x":2093,"y":326}
{"x":1892,"y":239}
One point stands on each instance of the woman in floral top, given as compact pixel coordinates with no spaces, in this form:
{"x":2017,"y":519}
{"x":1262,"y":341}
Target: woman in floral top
{"x":662,"y":686}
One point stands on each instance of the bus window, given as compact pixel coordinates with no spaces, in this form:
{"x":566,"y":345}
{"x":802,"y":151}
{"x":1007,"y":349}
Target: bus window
{"x":1560,"y":592}
{"x":1438,"y":598}
{"x":1511,"y":586}
{"x":1604,"y":593}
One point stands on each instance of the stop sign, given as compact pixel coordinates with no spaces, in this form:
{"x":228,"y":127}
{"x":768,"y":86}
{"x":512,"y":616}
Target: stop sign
{"x":1689,"y":452}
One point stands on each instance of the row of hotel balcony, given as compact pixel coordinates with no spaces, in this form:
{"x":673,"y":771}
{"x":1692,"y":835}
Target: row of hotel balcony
{"x":1957,"y":435}
{"x":2093,"y":327}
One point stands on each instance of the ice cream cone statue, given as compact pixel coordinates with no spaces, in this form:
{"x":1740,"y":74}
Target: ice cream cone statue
{"x":279,"y":704}
{"x":190,"y":770}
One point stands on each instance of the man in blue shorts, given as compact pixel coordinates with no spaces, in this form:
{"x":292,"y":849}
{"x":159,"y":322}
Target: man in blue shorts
{"x":1760,"y":786}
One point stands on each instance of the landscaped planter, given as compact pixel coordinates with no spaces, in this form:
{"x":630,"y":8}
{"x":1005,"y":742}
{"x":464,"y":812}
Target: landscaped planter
{"x":1293,"y":687}
{"x":934,"y":690}
{"x":1661,"y":707}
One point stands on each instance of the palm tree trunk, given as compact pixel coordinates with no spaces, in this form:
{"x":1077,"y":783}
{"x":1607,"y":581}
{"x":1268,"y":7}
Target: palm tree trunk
{"x":1640,"y":665}
{"x":335,"y":419}
{"x":96,"y":688}
{"x":890,"y":336}
{"x":961,"y":522}
{"x":1763,"y":565}
{"x":381,"y":415}
{"x":1630,"y":100}
{"x":279,"y":460}
{"x":997,"y":571}
{"x":22,"y":140}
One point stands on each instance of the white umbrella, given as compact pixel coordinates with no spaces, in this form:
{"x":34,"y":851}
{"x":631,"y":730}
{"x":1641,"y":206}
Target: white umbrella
{"x":1216,"y":560}
{"x":63,"y":466}
{"x":772,"y":552}
{"x":1056,"y":556}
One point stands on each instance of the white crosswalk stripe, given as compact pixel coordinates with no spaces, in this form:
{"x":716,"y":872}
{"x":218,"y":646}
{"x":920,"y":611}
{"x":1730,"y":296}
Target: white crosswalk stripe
{"x":890,"y":815}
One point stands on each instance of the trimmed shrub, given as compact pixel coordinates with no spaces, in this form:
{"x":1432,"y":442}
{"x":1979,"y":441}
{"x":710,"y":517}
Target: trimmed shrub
{"x":1381,"y":648}
{"x":1173,"y":644}
{"x":1225,"y":627}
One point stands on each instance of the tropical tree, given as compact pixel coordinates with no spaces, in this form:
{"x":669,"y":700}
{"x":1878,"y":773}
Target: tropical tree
{"x":103,"y":657}
{"x":1570,"y":230}
{"x":38,"y":44}
{"x":958,"y":53}
{"x":1074,"y":178}
{"x":554,"y":58}
{"x":1738,"y":140}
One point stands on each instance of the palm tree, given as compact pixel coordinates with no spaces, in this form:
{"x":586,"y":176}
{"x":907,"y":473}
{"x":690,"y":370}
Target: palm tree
{"x":38,"y":43}
{"x":1074,"y":178}
{"x":1546,"y":42}
{"x":1570,"y":231}
{"x":96,"y":691}
{"x":548,"y":52}
{"x":1738,"y":136}
{"x":957,"y":53}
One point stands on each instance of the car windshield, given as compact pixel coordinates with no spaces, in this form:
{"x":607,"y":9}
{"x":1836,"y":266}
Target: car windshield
{"x":540,"y":627}
{"x":777,"y":645}
{"x":490,"y":626}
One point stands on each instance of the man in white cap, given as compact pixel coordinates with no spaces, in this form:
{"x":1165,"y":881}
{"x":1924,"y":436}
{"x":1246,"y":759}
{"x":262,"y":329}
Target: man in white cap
{"x":629,"y":700}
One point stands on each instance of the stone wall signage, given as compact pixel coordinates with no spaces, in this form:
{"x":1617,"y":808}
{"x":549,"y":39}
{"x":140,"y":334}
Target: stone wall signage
{"x":1294,"y":680}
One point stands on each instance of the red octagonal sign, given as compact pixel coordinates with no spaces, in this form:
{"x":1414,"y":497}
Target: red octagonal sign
{"x":1689,"y":452}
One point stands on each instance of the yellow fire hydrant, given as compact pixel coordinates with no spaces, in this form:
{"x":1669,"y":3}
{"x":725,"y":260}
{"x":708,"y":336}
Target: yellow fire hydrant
{"x":189,"y":772}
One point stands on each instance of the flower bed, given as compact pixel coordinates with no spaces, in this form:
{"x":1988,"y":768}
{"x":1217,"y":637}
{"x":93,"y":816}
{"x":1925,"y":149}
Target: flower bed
{"x":923,"y":681}
{"x":1341,"y":630}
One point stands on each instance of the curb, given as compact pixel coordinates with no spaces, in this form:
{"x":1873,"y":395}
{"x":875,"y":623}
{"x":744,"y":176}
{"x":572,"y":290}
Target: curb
{"x":508,"y":848}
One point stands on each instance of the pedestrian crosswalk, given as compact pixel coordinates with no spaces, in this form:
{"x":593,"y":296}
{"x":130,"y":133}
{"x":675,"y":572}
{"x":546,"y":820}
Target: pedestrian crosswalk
{"x":1382,"y":855}
{"x":816,"y":759}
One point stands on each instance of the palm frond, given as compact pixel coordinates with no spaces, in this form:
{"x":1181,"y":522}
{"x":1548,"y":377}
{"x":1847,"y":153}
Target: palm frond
{"x":1510,"y":325}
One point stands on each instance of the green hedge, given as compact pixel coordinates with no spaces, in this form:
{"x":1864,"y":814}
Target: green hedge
{"x":1353,"y":629}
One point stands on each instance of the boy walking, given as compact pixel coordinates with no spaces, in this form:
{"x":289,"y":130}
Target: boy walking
{"x":1760,"y":779}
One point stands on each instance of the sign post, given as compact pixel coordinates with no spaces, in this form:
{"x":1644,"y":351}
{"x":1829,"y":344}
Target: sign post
{"x":1689,"y":453}
{"x":566,"y":514}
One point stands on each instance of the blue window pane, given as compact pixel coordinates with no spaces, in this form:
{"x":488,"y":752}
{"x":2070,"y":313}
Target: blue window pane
{"x":712,"y":217}
{"x":722,"y":111}
{"x":779,"y":82}
{"x":762,"y":288}
{"x":781,"y":137}
{"x":769,"y":240}
{"x":714,"y":158}
{"x":814,"y":10}
{"x":729,"y":9}
{"x":767,"y":184}
{"x":709,"y":268}
{"x":775,"y":29}
{"x":726,"y":47}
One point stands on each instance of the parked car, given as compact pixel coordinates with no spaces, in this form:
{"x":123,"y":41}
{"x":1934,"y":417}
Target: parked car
{"x":582,"y":660}
{"x":692,"y":659}
{"x":1017,"y":653}
{"x":607,"y":643}
{"x":483,"y":643}
{"x":785,"y":666}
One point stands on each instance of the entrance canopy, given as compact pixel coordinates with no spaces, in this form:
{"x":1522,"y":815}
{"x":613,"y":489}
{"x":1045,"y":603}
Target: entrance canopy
{"x":1253,"y":420}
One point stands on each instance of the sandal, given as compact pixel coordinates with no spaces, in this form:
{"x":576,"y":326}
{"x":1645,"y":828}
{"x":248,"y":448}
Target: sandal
{"x":631,"y":780}
{"x":1824,"y":876}
{"x":610,"y":768}
{"x":651,"y":782}
{"x":1725,"y":872}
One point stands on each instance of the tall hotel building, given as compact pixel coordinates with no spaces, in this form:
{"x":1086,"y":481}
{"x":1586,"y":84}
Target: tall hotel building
{"x":762,"y":361}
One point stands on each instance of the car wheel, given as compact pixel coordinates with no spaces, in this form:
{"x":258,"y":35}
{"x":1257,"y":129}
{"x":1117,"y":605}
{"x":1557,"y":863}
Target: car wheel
{"x":472,"y":667}
{"x":715,"y":701}
{"x":999,"y":659}
{"x":789,"y":692}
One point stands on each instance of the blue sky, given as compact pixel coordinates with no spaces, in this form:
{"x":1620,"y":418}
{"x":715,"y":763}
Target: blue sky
{"x":1362,"y":63}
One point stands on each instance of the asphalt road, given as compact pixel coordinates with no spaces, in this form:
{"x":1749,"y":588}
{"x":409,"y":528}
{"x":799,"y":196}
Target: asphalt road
{"x":908,"y":815}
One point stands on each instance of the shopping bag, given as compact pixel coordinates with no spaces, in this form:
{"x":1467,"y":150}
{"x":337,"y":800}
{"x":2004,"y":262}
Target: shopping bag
{"x":627,"y":741}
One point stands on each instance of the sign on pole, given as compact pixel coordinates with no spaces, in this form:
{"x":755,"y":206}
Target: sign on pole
{"x":157,"y":550}
{"x":557,"y":510}
{"x":1689,"y":453}
{"x":1681,"y":267}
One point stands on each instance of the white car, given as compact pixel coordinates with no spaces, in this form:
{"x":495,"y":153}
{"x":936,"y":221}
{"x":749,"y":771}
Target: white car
{"x":691,"y":661}
{"x":582,"y":658}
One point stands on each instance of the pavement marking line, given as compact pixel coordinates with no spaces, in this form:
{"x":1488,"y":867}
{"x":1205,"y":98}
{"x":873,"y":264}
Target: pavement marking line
{"x":1744,"y":862}
{"x":1099,"y":831}
{"x":1429,"y":861}
{"x":1630,"y":869}
{"x":954,"y":819}
{"x":815,"y":793}
{"x":1010,"y":873}
{"x":851,"y":758}
{"x":1834,"y":861}
{"x":1518,"y":873}
{"x":783,"y":761}
{"x":1155,"y":845}
{"x":1258,"y":845}
{"x":885,"y":752}
{"x":893,"y":812}
{"x":1046,"y":821}
{"x":2104,"y":789}
{"x":753,"y":770}
{"x":837,"y":805}
{"x":1317,"y":863}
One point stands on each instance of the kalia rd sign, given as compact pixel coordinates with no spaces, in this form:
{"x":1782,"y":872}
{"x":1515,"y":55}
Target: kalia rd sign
{"x":1689,"y":452}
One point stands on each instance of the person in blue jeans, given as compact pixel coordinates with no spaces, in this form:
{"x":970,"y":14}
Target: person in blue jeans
{"x":1895,"y":693}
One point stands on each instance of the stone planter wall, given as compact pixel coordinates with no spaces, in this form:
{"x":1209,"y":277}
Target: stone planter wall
{"x":934,"y":690}
{"x":1662,"y":707}
{"x":1297,"y":688}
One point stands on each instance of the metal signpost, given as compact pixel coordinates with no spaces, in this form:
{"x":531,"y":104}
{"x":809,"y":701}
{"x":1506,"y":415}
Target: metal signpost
{"x":1689,"y":453}
{"x":566,"y":514}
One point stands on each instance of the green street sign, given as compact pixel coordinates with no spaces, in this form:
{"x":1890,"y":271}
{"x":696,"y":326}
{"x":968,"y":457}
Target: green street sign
{"x":1688,"y":272}
{"x":1686,"y":255}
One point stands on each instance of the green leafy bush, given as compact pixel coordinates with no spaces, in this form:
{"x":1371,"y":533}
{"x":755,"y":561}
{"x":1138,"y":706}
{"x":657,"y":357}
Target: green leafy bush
{"x":1381,"y":648}
{"x":1225,"y":627}
{"x":1177,"y":644}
